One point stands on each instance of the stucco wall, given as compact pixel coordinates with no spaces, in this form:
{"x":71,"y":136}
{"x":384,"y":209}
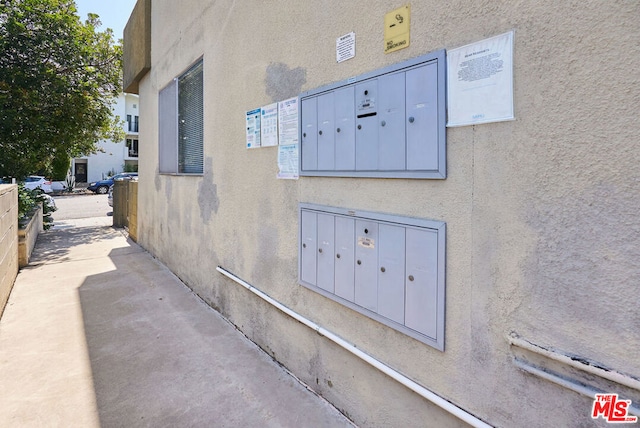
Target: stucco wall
{"x":8,"y":241}
{"x":541,"y":212}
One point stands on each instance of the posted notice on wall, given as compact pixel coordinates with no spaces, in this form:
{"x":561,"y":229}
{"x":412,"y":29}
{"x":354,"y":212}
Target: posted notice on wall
{"x":288,"y":161}
{"x":288,"y":121}
{"x":269,"y":125}
{"x":480,"y":82}
{"x":288,"y":149}
{"x":346,"y":47}
{"x":253,"y":128}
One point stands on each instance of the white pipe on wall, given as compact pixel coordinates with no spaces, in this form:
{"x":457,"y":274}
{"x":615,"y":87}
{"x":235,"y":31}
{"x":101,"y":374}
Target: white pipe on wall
{"x":415,"y":387}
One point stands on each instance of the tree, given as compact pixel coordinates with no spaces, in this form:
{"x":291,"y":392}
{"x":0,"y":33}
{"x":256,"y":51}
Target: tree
{"x":58,"y":80}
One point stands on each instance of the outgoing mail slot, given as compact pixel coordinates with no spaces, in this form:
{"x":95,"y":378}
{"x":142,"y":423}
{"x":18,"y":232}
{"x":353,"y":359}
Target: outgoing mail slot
{"x":367,"y":125}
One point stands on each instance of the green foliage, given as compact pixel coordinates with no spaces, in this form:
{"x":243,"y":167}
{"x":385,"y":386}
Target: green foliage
{"x":60,"y":166}
{"x":58,"y":80}
{"x":70,"y":183}
{"x":26,"y":202}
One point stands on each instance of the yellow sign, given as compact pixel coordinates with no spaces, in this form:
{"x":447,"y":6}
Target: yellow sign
{"x":396,"y":29}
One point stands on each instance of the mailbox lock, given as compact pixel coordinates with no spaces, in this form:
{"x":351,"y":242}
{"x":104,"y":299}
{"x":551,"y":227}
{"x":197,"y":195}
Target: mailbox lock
{"x":366,"y":92}
{"x":366,"y":231}
{"x":359,"y":126}
{"x":304,"y":245}
{"x":304,"y":134}
{"x":319,"y":250}
{"x":359,"y":262}
{"x":338,"y":130}
{"x":382,"y":269}
{"x":338,"y":255}
{"x":383,"y":123}
{"x":320,"y":132}
{"x":410,"y":277}
{"x":411,"y":119}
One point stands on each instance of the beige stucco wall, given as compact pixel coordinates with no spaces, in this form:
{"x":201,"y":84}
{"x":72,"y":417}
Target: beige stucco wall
{"x":541,"y":212}
{"x":8,"y":240}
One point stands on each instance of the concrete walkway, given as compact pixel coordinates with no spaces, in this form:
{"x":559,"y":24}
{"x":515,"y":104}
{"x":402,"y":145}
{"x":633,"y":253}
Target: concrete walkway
{"x":98,"y":333}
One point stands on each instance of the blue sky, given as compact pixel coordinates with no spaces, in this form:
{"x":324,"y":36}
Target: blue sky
{"x":114,"y":14}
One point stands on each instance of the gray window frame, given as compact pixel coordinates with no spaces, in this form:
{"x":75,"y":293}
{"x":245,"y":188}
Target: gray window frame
{"x":169,"y":127}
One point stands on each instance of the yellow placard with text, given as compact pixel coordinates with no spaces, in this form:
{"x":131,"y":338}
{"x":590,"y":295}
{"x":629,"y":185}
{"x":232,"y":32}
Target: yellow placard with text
{"x":396,"y":29}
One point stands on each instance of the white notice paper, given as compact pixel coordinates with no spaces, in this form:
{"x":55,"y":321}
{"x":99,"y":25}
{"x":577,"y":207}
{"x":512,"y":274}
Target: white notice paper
{"x":346,"y":47}
{"x":288,"y":161}
{"x":253,"y":128}
{"x":288,"y":121}
{"x":269,"y":125}
{"x":480,"y":82}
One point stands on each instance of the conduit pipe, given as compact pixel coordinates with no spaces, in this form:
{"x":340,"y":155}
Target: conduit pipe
{"x":611,"y":375}
{"x":415,"y":387}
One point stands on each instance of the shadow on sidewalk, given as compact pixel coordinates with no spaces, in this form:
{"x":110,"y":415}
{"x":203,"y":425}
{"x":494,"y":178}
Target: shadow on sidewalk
{"x":161,"y":357}
{"x":58,"y":245}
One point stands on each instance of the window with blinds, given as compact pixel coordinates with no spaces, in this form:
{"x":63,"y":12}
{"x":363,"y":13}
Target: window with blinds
{"x":180,"y":114}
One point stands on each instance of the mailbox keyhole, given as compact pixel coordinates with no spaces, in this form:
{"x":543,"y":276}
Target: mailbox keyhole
{"x":304,"y":245}
{"x":383,"y":123}
{"x":338,"y":130}
{"x":411,"y":278}
{"x":366,"y":231}
{"x":359,"y":126}
{"x":320,"y":250}
{"x":304,"y":135}
{"x":411,"y":120}
{"x":366,"y":92}
{"x":359,"y":262}
{"x":338,"y":255}
{"x":382,"y":269}
{"x":320,"y":132}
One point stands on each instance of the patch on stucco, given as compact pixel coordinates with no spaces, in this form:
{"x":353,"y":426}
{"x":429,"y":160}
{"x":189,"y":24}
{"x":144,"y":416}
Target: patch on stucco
{"x":208,"y":193}
{"x":283,"y":82}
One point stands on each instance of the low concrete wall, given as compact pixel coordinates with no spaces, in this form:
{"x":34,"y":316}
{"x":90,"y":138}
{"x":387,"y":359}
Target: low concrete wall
{"x":8,"y":240}
{"x":27,"y":237}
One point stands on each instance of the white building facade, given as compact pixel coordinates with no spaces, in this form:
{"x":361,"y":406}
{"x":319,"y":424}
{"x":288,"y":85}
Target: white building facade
{"x":113,"y":156}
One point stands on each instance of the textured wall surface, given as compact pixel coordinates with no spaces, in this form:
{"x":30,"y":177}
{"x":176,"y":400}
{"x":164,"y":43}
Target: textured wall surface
{"x":8,"y":240}
{"x":541,"y":212}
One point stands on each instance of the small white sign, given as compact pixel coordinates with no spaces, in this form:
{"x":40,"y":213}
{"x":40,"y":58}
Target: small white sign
{"x":346,"y":47}
{"x":480,"y":82}
{"x":269,"y":125}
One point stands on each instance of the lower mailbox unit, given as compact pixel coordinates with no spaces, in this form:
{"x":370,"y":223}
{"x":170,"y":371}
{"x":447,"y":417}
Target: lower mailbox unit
{"x":387,"y":267}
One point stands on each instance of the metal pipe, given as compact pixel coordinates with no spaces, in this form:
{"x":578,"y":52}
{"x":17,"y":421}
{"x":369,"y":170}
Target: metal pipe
{"x":394,"y":374}
{"x":606,"y":374}
{"x":566,"y":383}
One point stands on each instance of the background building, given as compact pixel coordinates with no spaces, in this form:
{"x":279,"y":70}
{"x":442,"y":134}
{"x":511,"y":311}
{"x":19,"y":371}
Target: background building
{"x":113,"y":156}
{"x":541,"y":212}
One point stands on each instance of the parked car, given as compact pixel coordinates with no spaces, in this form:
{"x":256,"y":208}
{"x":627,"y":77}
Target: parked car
{"x":110,"y":196}
{"x":102,"y":186}
{"x":38,"y":182}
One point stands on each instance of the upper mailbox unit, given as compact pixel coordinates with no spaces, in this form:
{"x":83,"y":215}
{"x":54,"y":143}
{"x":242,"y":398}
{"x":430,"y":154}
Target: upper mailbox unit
{"x":389,"y":123}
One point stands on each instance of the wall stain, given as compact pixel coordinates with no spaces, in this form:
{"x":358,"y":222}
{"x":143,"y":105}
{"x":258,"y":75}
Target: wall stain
{"x":208,"y":193}
{"x":283,"y":82}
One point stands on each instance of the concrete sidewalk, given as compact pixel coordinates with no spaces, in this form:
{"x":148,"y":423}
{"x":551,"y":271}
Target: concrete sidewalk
{"x":98,"y":333}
